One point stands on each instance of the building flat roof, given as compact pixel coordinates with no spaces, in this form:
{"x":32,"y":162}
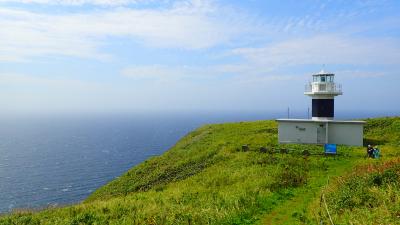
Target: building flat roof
{"x":321,"y":121}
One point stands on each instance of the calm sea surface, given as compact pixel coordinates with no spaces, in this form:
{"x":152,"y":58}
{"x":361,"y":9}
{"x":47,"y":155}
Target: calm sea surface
{"x":61,"y":160}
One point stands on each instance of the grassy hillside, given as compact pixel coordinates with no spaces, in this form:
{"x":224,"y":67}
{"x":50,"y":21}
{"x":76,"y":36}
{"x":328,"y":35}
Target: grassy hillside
{"x":207,"y":178}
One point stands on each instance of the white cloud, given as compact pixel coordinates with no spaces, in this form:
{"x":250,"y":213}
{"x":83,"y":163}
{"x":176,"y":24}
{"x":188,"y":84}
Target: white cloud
{"x":172,"y":74}
{"x":77,"y":2}
{"x":226,"y":73}
{"x":187,"y":25}
{"x":357,"y":74}
{"x":324,"y":49}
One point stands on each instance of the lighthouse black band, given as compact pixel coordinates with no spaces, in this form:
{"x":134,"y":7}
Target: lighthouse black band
{"x":322,"y":107}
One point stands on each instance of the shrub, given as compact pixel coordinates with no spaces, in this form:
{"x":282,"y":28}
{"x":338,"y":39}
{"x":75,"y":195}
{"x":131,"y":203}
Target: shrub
{"x":372,"y":188}
{"x":293,"y":172}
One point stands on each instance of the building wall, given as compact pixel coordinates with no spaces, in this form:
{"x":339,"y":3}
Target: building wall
{"x":298,"y":132}
{"x":345,"y":134}
{"x":307,"y":133}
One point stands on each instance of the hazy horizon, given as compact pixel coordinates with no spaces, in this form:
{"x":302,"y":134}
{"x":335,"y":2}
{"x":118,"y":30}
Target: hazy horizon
{"x":234,"y":115}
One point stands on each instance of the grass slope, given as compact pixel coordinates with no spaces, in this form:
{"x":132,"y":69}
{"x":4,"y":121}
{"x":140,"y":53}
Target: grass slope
{"x":206,"y":178}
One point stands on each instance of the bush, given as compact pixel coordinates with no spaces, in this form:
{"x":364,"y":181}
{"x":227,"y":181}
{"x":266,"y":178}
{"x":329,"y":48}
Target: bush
{"x":86,"y":218}
{"x":374,"y":188}
{"x":293,"y":172}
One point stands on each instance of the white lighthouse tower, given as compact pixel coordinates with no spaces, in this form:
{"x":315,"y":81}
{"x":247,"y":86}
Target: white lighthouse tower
{"x":322,"y":128}
{"x":323,"y":90}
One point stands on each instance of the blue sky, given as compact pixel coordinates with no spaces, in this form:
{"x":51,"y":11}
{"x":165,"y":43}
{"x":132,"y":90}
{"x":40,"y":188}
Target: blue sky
{"x":199,"y":55}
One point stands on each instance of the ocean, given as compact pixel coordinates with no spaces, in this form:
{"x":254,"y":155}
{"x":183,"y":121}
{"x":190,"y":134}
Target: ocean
{"x":59,"y":160}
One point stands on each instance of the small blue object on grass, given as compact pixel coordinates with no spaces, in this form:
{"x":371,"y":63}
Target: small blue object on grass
{"x":330,"y":149}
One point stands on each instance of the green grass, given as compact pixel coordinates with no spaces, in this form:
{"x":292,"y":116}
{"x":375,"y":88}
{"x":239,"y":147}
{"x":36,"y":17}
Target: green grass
{"x":368,"y":195}
{"x":206,"y":178}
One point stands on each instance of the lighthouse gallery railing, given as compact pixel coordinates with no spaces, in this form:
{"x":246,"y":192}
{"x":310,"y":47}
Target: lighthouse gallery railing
{"x":326,"y":87}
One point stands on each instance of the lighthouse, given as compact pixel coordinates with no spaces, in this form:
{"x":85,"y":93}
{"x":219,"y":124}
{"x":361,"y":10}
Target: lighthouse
{"x":322,"y":128}
{"x":323,"y":90}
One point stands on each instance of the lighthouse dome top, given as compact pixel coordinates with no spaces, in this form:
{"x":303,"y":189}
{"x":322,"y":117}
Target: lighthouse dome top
{"x":322,"y":72}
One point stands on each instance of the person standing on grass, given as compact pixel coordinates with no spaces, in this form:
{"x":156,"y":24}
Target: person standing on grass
{"x":376,"y":152}
{"x":370,"y":151}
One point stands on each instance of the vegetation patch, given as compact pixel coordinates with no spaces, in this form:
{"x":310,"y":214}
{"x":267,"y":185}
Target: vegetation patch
{"x":370,"y":193}
{"x":292,"y":172}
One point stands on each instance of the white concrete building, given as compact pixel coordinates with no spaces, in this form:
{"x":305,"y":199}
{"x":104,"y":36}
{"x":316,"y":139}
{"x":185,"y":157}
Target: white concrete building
{"x":322,"y":128}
